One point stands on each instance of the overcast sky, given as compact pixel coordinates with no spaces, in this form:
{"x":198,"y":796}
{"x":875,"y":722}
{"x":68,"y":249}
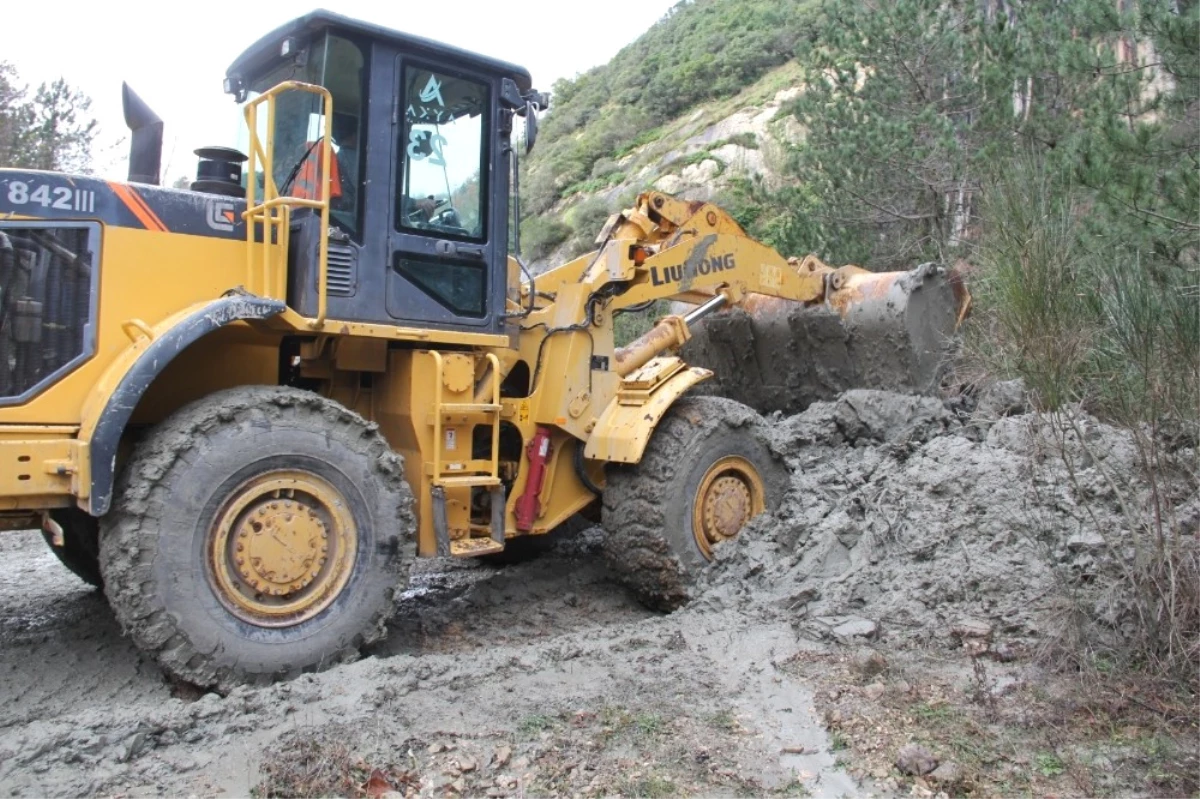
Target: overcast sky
{"x":175,"y":54}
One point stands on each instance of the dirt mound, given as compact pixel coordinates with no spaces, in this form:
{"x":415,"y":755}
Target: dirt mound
{"x":908,"y":519}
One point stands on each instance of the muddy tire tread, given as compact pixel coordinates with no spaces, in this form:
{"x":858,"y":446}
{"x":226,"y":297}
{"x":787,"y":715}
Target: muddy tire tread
{"x":640,"y":546}
{"x":130,"y":539}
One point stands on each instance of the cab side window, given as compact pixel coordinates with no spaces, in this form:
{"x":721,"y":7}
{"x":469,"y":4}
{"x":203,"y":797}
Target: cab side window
{"x":442,"y":146}
{"x":338,"y":64}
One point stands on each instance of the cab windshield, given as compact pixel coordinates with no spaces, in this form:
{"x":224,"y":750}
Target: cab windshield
{"x":337,"y":64}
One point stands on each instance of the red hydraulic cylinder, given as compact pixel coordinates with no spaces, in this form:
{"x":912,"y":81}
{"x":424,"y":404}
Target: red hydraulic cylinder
{"x":538,"y":451}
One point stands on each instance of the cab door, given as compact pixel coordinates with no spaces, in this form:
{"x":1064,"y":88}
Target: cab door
{"x":448,"y":235}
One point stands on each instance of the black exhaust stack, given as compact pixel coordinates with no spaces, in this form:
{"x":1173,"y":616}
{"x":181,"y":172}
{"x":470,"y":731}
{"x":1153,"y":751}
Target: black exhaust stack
{"x":145,"y":145}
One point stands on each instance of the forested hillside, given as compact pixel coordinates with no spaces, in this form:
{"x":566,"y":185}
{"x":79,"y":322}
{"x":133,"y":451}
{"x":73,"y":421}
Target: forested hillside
{"x":698,"y":52}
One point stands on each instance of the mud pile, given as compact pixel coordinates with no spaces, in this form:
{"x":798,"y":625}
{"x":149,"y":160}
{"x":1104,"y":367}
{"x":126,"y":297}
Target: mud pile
{"x":908,"y":520}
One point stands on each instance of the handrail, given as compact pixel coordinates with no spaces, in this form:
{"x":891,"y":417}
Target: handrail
{"x":277,"y":226}
{"x":437,"y":415}
{"x":495,"y":362}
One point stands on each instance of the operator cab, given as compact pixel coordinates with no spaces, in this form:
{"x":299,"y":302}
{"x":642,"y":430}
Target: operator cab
{"x":419,"y":183}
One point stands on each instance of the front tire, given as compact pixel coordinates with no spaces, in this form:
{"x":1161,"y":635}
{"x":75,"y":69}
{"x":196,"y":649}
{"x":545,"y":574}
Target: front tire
{"x":706,"y":472}
{"x":257,"y":533}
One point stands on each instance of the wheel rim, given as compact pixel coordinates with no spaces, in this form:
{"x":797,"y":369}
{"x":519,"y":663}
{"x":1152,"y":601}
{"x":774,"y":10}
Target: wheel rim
{"x":730,"y":495}
{"x":282,"y":548}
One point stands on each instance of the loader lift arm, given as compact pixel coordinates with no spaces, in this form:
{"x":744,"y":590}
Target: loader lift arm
{"x":690,"y":251}
{"x":694,"y":252}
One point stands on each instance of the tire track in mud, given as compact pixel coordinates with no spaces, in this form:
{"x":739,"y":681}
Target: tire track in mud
{"x":473,"y":650}
{"x":61,"y":649}
{"x":65,"y":665}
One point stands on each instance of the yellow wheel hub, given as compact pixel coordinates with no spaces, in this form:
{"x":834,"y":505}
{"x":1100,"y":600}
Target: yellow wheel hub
{"x":281,"y":548}
{"x":730,"y":495}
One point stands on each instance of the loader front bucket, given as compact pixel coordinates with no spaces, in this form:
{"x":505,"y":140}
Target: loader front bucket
{"x":887,"y":330}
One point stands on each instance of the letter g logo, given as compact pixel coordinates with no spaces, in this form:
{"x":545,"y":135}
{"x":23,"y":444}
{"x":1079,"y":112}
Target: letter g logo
{"x":220,"y":215}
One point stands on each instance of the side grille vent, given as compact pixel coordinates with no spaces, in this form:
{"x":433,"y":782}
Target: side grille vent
{"x":343,"y":270}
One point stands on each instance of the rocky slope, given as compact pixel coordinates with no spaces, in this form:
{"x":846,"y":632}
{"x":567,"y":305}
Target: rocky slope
{"x":698,"y":156}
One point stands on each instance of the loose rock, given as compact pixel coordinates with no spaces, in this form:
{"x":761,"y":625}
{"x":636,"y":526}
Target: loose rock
{"x":915,"y":760}
{"x":947,"y":773}
{"x":856,"y":628}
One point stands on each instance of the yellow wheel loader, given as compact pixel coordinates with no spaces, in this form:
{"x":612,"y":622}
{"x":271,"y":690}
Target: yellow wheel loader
{"x":245,"y":407}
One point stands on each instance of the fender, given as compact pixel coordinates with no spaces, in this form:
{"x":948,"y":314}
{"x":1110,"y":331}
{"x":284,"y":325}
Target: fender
{"x":117,"y":393}
{"x":644,"y":396}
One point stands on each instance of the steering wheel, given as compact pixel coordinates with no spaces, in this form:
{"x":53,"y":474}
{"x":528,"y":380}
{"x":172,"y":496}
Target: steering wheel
{"x":419,"y":217}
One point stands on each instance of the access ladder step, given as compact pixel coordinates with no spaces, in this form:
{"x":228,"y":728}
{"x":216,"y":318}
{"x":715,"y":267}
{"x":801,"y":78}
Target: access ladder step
{"x":467,"y":407}
{"x":474,"y":547}
{"x":461,"y":547}
{"x":466,"y":481}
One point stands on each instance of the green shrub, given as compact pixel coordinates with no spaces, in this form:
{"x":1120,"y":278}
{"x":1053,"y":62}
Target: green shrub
{"x":1108,"y":323}
{"x":540,"y":235}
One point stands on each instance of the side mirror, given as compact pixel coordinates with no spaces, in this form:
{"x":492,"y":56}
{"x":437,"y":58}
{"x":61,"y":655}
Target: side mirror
{"x":531,"y":127}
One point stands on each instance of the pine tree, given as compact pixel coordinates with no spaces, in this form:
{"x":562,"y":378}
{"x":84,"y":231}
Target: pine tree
{"x":51,"y":130}
{"x":911,"y":106}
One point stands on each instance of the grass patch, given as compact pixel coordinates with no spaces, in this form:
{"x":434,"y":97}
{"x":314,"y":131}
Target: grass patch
{"x":794,"y":788}
{"x":641,"y":140}
{"x":1048,"y":764}
{"x":937,"y":712}
{"x":648,"y":724}
{"x":534,"y":724}
{"x":724,"y":720}
{"x":1047,"y":734}
{"x":324,"y":761}
{"x":618,"y":722}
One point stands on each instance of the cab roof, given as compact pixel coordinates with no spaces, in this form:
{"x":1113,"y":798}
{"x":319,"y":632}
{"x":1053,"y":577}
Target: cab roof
{"x":265,"y":51}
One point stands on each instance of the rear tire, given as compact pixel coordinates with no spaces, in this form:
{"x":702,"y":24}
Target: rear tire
{"x":257,"y":533}
{"x":80,"y":551}
{"x":706,"y":472}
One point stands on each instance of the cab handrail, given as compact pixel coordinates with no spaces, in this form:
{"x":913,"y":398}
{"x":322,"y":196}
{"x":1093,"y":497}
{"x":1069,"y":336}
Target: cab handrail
{"x":274,"y":212}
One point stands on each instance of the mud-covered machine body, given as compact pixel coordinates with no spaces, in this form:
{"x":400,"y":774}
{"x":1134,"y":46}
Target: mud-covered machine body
{"x":243,"y":407}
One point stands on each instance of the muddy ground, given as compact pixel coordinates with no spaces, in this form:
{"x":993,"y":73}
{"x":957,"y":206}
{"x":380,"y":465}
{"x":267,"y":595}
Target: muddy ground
{"x":902,"y":595}
{"x":482,"y":658}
